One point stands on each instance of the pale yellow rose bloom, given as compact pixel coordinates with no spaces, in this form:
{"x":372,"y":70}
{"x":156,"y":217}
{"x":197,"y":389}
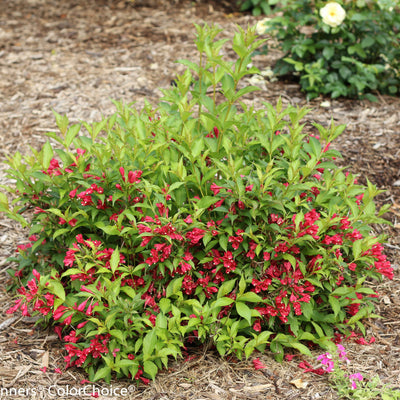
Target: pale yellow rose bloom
{"x":262,"y":26}
{"x":333,"y":14}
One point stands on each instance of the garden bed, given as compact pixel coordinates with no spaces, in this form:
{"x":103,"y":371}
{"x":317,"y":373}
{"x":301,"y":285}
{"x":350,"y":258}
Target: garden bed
{"x":74,"y":57}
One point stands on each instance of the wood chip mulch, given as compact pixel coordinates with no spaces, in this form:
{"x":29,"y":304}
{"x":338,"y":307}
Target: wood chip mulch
{"x":73,"y":56}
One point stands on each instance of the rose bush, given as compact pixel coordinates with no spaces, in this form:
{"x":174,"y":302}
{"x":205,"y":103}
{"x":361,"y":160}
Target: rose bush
{"x":201,"y":220}
{"x":344,"y":48}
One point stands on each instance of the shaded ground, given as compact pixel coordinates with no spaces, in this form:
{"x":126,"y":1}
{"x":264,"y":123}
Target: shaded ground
{"x":73,"y":56}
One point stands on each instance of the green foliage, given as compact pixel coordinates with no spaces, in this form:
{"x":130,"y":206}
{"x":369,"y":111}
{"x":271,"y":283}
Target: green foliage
{"x":259,"y":7}
{"x":200,"y":220}
{"x":354,"y":59}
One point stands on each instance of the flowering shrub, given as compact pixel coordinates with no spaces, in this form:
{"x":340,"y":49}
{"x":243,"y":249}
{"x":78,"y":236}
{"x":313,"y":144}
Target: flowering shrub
{"x":199,"y":220}
{"x":349,"y":385}
{"x":344,"y":48}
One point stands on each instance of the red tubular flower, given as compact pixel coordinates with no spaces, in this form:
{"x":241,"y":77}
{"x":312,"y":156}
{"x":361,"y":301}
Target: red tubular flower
{"x":24,"y":309}
{"x":59,"y":312}
{"x":85,"y":289}
{"x":215,"y":188}
{"x":15,"y":307}
{"x":36,"y":274}
{"x":122,"y":172}
{"x":82,"y":306}
{"x":82,"y":324}
{"x":258,"y":364}
{"x":134,"y":176}
{"x":188,"y":219}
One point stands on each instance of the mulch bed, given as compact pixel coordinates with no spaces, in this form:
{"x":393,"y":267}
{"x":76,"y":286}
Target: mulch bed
{"x":73,"y":56}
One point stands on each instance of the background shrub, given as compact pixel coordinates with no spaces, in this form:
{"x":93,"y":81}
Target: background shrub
{"x":354,"y":59}
{"x":201,"y":220}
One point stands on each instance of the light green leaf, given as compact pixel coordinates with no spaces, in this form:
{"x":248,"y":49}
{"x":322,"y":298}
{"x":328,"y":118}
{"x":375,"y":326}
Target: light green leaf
{"x":206,"y":202}
{"x":250,"y":297}
{"x":114,"y":260}
{"x":244,"y":311}
{"x":72,"y":132}
{"x":226,"y":287}
{"x":47,"y":152}
{"x":102,"y":373}
{"x":149,"y":343}
{"x":222,"y":302}
{"x":150,"y":368}
{"x":57,"y":288}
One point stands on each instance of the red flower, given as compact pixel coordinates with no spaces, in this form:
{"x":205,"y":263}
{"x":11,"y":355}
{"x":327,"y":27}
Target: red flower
{"x":134,"y":176}
{"x":188,"y":219}
{"x":115,"y":351}
{"x":258,"y":364}
{"x":257,"y":326}
{"x":122,"y":172}
{"x":215,"y":188}
{"x":195,"y":235}
{"x":72,"y":221}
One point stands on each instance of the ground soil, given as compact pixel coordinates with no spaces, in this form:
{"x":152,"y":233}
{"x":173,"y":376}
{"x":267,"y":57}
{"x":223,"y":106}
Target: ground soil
{"x":74,"y":56}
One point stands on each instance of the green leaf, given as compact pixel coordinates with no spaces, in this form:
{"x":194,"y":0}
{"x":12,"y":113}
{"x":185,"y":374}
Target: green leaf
{"x":301,"y":348}
{"x":108,"y":229}
{"x":245,"y":90}
{"x":48,"y":153}
{"x":126,"y":363}
{"x":57,"y":288}
{"x":110,"y":320}
{"x":71,"y":134}
{"x":367,"y":42}
{"x":223,"y":241}
{"x":129,"y":291}
{"x":345,"y":72}
{"x":343,"y":291}
{"x":226,"y":287}
{"x":150,"y":369}
{"x":114,"y":260}
{"x":197,"y":147}
{"x":242,"y":285}
{"x":119,"y":335}
{"x":206,"y":202}
{"x":334,"y":302}
{"x":223,"y":301}
{"x":250,"y":297}
{"x":363,"y":312}
{"x":71,"y":271}
{"x":244,"y":311}
{"x":174,"y":186}
{"x":357,"y":248}
{"x":62,"y":122}
{"x":60,"y":232}
{"x":174,"y":286}
{"x":102,"y":373}
{"x":328,"y":52}
{"x":149,"y":343}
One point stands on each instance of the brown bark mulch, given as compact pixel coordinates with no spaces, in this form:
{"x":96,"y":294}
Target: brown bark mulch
{"x":73,"y":56}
